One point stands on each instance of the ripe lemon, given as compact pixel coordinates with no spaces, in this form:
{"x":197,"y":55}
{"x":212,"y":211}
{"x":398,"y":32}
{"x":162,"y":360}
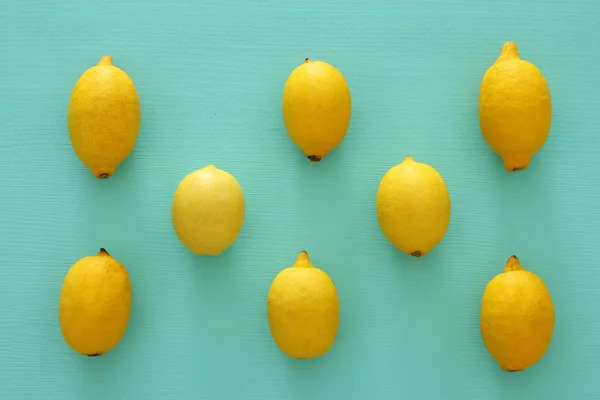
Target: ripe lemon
{"x":208,"y":210}
{"x":303,"y":310}
{"x":95,"y":303}
{"x":517,"y":317}
{"x":104,"y":117}
{"x":316,"y":108}
{"x":515,"y":109}
{"x":413,"y":207}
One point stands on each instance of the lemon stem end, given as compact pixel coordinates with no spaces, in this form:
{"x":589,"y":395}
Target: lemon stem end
{"x":303,"y":261}
{"x":509,"y":52}
{"x":513,"y":264}
{"x":516,"y":163}
{"x":106,"y":60}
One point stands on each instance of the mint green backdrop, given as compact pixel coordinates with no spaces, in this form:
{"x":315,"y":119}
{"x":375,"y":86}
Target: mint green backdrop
{"x":210,"y":76}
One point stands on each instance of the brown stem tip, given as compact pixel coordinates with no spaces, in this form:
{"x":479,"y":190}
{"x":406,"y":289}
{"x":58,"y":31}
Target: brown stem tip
{"x":302,"y":261}
{"x":103,"y":176}
{"x":513,"y":264}
{"x":103,"y":252}
{"x":416,"y":253}
{"x":315,"y":158}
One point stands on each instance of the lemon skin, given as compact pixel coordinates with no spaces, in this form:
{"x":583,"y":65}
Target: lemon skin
{"x":303,"y":310}
{"x":515,"y":109}
{"x":316,"y":108}
{"x":208,"y":210}
{"x":104,"y":117}
{"x":413,"y":207}
{"x":95,"y":304}
{"x":517,"y":317}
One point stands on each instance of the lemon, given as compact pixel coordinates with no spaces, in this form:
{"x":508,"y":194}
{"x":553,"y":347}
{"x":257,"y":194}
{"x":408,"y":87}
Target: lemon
{"x":104,"y":117}
{"x":303,"y":310}
{"x":413,"y":207}
{"x":316,"y":108}
{"x":515,"y":109}
{"x":517,"y":317}
{"x":95,"y":303}
{"x":208,"y":210}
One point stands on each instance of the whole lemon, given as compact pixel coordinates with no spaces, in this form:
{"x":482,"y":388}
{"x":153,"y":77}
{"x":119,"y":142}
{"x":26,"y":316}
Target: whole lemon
{"x":515,"y":109}
{"x":208,"y":210}
{"x":95,"y":303}
{"x":517,"y":317}
{"x":104,"y":117}
{"x":413,"y":207}
{"x":316,"y":108}
{"x":303,"y":310}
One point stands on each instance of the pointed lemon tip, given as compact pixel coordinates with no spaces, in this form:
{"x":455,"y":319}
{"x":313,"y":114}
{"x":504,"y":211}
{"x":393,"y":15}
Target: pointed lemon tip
{"x":409,"y":159}
{"x":211,"y":168}
{"x":103,"y":252}
{"x":106,"y":60}
{"x":509,"y":51}
{"x":513,"y":264}
{"x":103,"y":173}
{"x":307,"y":60}
{"x":509,"y":48}
{"x":302,"y":261}
{"x":516,"y":163}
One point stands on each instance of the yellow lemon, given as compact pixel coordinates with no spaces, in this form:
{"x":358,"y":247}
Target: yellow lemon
{"x":517,"y":317}
{"x":104,"y":117}
{"x":303,"y":310}
{"x":94,"y":305}
{"x":515,"y":109}
{"x":316,"y":108}
{"x":413,"y":207}
{"x":208,"y":210}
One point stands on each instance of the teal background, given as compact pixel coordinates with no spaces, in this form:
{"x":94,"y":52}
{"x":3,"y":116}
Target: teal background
{"x":210,"y":76}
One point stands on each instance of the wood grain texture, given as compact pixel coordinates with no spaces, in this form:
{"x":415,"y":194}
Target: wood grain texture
{"x":210,"y":76}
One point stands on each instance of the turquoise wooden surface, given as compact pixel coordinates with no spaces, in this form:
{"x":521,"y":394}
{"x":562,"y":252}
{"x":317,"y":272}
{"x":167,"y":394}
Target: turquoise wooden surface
{"x":210,"y":76}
